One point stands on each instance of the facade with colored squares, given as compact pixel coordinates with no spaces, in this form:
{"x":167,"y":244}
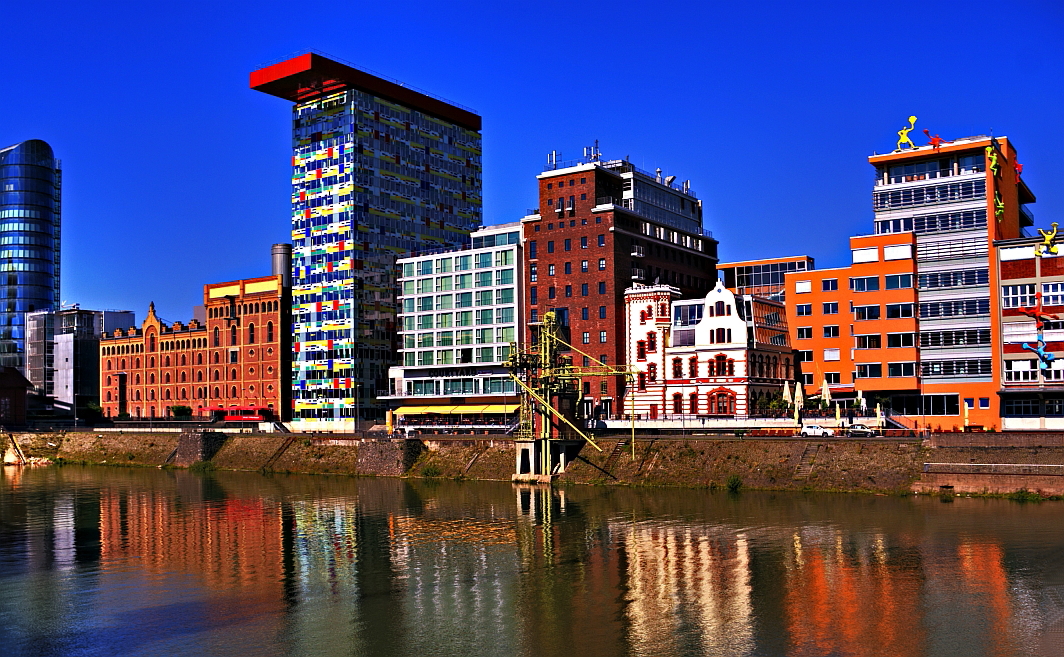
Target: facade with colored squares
{"x":379,"y":171}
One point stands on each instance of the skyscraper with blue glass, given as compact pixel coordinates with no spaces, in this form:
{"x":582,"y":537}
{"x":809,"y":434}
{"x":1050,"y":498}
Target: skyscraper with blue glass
{"x":379,"y":170}
{"x":30,"y":182}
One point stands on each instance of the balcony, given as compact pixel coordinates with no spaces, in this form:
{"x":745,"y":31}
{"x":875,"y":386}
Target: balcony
{"x":637,"y":251}
{"x":639,"y":274}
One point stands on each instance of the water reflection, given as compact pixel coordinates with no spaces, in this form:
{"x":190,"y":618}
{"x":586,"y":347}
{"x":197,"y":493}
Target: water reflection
{"x":116,"y":561}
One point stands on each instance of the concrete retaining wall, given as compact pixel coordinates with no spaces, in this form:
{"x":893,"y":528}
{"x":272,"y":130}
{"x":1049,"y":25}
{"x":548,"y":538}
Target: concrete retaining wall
{"x":990,"y":483}
{"x":1010,"y":439}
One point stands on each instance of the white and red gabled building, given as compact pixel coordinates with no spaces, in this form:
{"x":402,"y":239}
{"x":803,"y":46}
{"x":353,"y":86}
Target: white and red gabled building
{"x":712,"y":357}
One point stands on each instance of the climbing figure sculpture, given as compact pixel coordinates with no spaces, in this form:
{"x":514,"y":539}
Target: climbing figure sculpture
{"x":999,"y":206}
{"x":903,"y":135}
{"x":991,"y":154}
{"x":1044,"y":357}
{"x":936,"y":141}
{"x":1048,"y":246}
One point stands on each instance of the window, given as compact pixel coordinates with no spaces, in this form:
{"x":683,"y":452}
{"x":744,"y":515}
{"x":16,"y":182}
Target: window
{"x":870,"y":371}
{"x":1053,"y":294}
{"x":583,"y":242}
{"x":568,"y":268}
{"x":550,"y":270}
{"x":677,"y":368}
{"x":984,"y":402}
{"x":583,"y":266}
{"x":831,"y":308}
{"x":602,"y":240}
{"x":1016,"y":296}
{"x":865,"y":255}
{"x":866,"y":312}
{"x":898,"y":252}
{"x":831,"y":331}
{"x":901,"y":369}
{"x":602,"y":312}
{"x":802,"y":287}
{"x":692,"y":366}
{"x":585,"y":338}
{"x":803,"y":309}
{"x":805,"y":356}
{"x":895,"y":340}
{"x":899,"y":310}
{"x":533,"y":296}
{"x":864,"y":284}
{"x":602,"y":264}
{"x":602,"y":337}
{"x":602,"y":288}
{"x":568,"y":290}
{"x":956,"y":368}
{"x":504,"y":277}
{"x":899,"y":281}
{"x":829,"y":284}
{"x":652,"y":372}
{"x":217,"y":338}
{"x":807,"y":379}
{"x":955,"y":308}
{"x":232,"y":335}
{"x":532,"y":249}
{"x":550,"y":246}
{"x":869,"y":341}
{"x":583,"y":289}
{"x":568,"y":244}
{"x":551,"y":292}
{"x":831,"y":354}
{"x":832,"y":378}
{"x":424,"y":268}
{"x":805,"y":332}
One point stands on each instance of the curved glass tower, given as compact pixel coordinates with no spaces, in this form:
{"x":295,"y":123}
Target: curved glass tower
{"x":30,"y":181}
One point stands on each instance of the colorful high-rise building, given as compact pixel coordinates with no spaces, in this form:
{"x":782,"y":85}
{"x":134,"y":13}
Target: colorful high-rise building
{"x":30,"y":183}
{"x":380,"y":170}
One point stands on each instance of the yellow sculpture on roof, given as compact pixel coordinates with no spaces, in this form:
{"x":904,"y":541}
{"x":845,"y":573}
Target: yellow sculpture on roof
{"x":1048,"y":246}
{"x":903,"y":135}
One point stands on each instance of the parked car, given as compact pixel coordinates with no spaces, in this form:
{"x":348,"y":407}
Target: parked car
{"x":862,"y":430}
{"x":816,"y":430}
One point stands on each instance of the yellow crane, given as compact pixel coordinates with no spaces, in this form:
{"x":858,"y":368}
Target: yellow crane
{"x":550,"y":388}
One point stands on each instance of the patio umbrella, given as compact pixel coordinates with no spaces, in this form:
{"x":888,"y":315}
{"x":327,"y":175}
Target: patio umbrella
{"x":965,"y":414}
{"x":787,"y":393}
{"x":838,"y":414}
{"x":799,"y":396}
{"x":825,"y":394}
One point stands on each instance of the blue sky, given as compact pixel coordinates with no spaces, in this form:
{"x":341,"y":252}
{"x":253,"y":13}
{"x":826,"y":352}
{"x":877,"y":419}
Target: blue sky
{"x":176,"y":174}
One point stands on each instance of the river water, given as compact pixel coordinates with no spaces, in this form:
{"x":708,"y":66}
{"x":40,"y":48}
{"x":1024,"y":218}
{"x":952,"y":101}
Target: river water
{"x":124,"y":561}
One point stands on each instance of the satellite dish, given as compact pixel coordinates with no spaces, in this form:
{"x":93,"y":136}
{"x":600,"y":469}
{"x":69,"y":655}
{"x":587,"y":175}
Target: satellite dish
{"x":668,"y":180}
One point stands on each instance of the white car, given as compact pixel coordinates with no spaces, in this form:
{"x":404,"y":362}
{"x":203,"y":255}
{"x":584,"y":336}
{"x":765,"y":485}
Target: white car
{"x":816,"y":430}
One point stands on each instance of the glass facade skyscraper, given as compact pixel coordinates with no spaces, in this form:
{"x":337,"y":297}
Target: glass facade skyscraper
{"x":379,"y":171}
{"x":30,"y":181}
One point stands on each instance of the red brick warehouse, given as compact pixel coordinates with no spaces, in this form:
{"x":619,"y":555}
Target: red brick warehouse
{"x":238,"y":356}
{"x":600,"y":227}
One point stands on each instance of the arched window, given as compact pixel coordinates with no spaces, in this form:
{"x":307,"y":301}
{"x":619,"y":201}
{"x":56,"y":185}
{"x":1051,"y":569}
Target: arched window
{"x":108,"y":365}
{"x":137,"y":396}
{"x":137,"y":362}
{"x":256,"y":307}
{"x":136,"y":380}
{"x":775,"y":367}
{"x":108,"y":395}
{"x":232,"y":392}
{"x":151,"y":411}
{"x":108,"y":380}
{"x":167,"y":377}
{"x":217,"y":337}
{"x":719,"y":308}
{"x":642,"y":381}
{"x":677,"y":368}
{"x":182,"y":377}
{"x":269,"y":332}
{"x":151,"y":342}
{"x":692,"y":365}
{"x":151,"y":378}
{"x":199,"y":359}
{"x":123,"y":363}
{"x":184,"y":360}
{"x":199,"y":376}
{"x":694,"y":403}
{"x":731,"y":367}
{"x":652,"y":341}
{"x":151,"y":395}
{"x":217,"y":375}
{"x":184,"y":393}
{"x":232,"y":336}
{"x":677,"y":403}
{"x":722,"y":403}
{"x":641,"y":350}
{"x":167,"y":362}
{"x":787,"y":369}
{"x":642,"y":317}
{"x":251,"y":334}
{"x":167,"y":394}
{"x":232,"y":374}
{"x":217,"y":394}
{"x":721,"y":334}
{"x":652,"y":372}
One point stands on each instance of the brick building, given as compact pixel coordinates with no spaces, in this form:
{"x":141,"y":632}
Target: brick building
{"x":238,"y":356}
{"x":601,"y":226}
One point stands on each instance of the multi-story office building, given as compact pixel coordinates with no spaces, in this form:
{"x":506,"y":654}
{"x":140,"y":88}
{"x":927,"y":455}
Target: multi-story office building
{"x":462,"y":312}
{"x":713,"y":357}
{"x":763,"y":278}
{"x":601,"y":226}
{"x":239,"y":357}
{"x":379,"y":171}
{"x":938,"y":210}
{"x":30,"y":183}
{"x":63,"y":356}
{"x":1031,"y":351}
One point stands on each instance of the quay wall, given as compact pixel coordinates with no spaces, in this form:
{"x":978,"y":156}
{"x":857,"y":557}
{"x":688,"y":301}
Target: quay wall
{"x":882,"y":466}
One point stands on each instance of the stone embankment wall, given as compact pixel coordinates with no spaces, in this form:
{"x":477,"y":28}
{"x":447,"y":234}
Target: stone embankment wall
{"x":851,"y":465}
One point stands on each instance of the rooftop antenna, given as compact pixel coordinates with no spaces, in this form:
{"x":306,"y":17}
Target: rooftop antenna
{"x":552,"y":159}
{"x":658,"y":171}
{"x":686,"y":186}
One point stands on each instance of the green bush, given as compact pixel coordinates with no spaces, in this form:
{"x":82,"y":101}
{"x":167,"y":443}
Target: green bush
{"x":431,"y":470}
{"x":735,"y":482}
{"x":181,"y":411}
{"x":202,"y":467}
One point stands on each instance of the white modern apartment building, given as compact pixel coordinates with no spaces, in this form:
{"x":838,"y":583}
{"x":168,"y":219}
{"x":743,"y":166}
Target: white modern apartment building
{"x":460,"y":316}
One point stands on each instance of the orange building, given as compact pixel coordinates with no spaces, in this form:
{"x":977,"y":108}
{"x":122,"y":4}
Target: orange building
{"x":919,"y":316}
{"x":237,"y":357}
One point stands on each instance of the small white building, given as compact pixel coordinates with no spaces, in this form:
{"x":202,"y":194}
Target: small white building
{"x":711,"y":357}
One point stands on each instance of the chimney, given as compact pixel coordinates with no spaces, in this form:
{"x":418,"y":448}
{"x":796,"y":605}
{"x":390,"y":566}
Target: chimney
{"x":281,"y":258}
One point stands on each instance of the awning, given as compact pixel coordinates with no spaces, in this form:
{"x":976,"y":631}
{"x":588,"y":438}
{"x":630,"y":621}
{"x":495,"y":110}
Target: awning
{"x":501,"y":408}
{"x":417,"y":410}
